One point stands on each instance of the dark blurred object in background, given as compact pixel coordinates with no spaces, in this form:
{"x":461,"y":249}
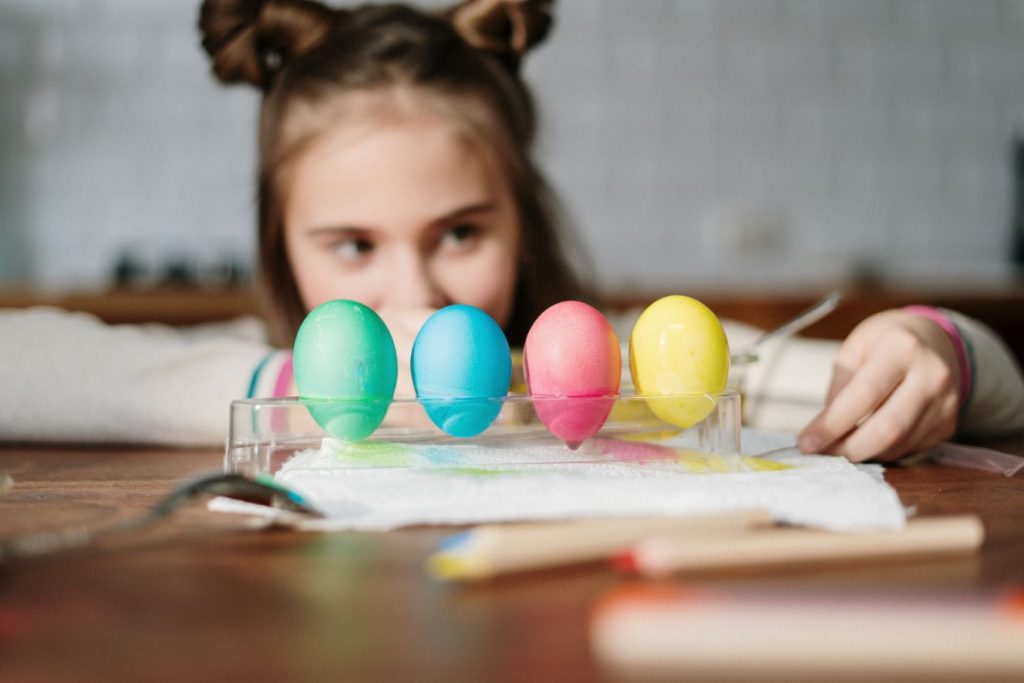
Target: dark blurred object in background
{"x":128,"y":272}
{"x":131,"y":272}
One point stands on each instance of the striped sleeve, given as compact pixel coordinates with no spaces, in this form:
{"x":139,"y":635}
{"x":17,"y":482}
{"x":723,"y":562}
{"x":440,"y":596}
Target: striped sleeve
{"x":995,"y":405}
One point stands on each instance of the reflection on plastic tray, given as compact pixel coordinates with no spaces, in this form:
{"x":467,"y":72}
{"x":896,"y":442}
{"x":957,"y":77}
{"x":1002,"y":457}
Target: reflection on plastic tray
{"x":266,"y":433}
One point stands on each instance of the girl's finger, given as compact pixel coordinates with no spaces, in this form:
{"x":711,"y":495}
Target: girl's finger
{"x":869,"y":386}
{"x":841,"y":376}
{"x":937,"y":424}
{"x":888,"y":427}
{"x":849,"y":358}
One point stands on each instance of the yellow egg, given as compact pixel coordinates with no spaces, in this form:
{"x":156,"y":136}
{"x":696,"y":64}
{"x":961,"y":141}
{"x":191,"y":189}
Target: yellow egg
{"x":678,"y":349}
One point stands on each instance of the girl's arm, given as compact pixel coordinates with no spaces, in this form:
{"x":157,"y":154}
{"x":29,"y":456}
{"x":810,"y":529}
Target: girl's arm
{"x":907,"y":379}
{"x":786,"y":390}
{"x":70,"y":377}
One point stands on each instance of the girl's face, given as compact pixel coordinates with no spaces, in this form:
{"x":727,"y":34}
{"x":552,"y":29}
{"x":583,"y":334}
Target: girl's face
{"x":401,"y":214}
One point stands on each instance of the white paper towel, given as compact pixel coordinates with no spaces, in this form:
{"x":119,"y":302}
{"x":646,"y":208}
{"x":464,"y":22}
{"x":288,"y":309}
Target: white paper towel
{"x":468,"y":484}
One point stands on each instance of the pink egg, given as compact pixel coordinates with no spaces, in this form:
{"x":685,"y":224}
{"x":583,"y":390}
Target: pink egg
{"x":573,"y":366}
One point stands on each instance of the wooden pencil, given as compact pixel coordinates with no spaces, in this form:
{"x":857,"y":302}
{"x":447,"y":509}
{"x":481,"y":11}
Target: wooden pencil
{"x":783,"y":546}
{"x":809,"y":633}
{"x":493,"y":549}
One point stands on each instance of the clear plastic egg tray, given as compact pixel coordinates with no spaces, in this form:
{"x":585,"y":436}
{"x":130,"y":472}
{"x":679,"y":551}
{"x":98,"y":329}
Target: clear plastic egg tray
{"x":265,"y":434}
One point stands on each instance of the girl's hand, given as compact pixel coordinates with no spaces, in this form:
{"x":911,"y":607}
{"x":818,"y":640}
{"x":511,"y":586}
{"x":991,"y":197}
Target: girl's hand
{"x":894,"y":391}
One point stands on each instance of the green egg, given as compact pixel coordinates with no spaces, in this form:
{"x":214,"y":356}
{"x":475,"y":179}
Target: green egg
{"x":345,"y":368}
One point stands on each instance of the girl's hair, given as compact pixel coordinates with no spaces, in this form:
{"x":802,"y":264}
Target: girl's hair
{"x":305,"y":57}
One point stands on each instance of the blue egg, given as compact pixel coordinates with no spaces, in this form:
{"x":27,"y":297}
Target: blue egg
{"x":461,"y":368}
{"x":345,"y":368}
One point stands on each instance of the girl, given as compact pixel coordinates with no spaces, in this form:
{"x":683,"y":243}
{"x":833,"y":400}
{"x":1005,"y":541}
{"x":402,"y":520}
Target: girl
{"x":395,"y":169}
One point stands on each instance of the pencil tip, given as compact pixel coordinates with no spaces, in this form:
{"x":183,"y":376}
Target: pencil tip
{"x":573,"y":445}
{"x":625,"y":562}
{"x":444,"y":567}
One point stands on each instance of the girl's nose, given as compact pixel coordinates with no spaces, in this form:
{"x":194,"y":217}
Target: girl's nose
{"x":413,"y":286}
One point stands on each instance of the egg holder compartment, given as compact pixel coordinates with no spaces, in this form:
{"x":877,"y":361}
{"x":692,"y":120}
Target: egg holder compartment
{"x":266,"y":433}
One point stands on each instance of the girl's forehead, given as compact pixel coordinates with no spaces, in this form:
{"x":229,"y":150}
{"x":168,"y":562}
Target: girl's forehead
{"x":425,"y":120}
{"x":379,"y":168}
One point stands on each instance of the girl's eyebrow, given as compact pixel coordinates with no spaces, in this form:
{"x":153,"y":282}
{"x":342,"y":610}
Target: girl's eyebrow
{"x":461,"y":212}
{"x":335,"y":230}
{"x":469,"y":209}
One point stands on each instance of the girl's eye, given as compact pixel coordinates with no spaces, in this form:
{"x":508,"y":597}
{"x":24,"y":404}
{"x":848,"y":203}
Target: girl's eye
{"x":460,"y":236}
{"x":353,"y":249}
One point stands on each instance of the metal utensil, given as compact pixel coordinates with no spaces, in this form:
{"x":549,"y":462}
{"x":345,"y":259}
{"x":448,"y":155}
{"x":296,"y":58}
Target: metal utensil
{"x":262,"y":490}
{"x":819,"y":310}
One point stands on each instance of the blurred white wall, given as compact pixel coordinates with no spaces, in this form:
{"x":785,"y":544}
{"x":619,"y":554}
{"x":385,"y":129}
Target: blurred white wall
{"x":114,"y":138}
{"x":777,"y":144}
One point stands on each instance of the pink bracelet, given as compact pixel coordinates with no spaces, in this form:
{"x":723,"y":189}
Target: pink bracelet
{"x":284,"y":379}
{"x":960,"y":347}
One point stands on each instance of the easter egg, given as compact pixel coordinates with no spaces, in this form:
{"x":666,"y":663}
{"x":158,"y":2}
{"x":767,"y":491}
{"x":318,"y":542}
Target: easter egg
{"x":573,"y":366}
{"x":678,"y":348}
{"x":345,"y":368}
{"x":461,"y":368}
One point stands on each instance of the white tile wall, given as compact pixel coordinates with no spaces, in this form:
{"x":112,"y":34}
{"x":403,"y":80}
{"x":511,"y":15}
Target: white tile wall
{"x":773,"y":143}
{"x":847,"y":133}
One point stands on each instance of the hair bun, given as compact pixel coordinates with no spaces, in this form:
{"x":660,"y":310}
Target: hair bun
{"x":249,"y":40}
{"x":507,"y":28}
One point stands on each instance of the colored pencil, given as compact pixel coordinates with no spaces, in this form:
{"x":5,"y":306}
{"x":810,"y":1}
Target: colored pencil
{"x":488,"y":550}
{"x":815,"y":633}
{"x":787,"y":546}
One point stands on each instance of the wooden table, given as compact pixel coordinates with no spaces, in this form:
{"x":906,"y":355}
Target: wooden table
{"x":203,"y":598}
